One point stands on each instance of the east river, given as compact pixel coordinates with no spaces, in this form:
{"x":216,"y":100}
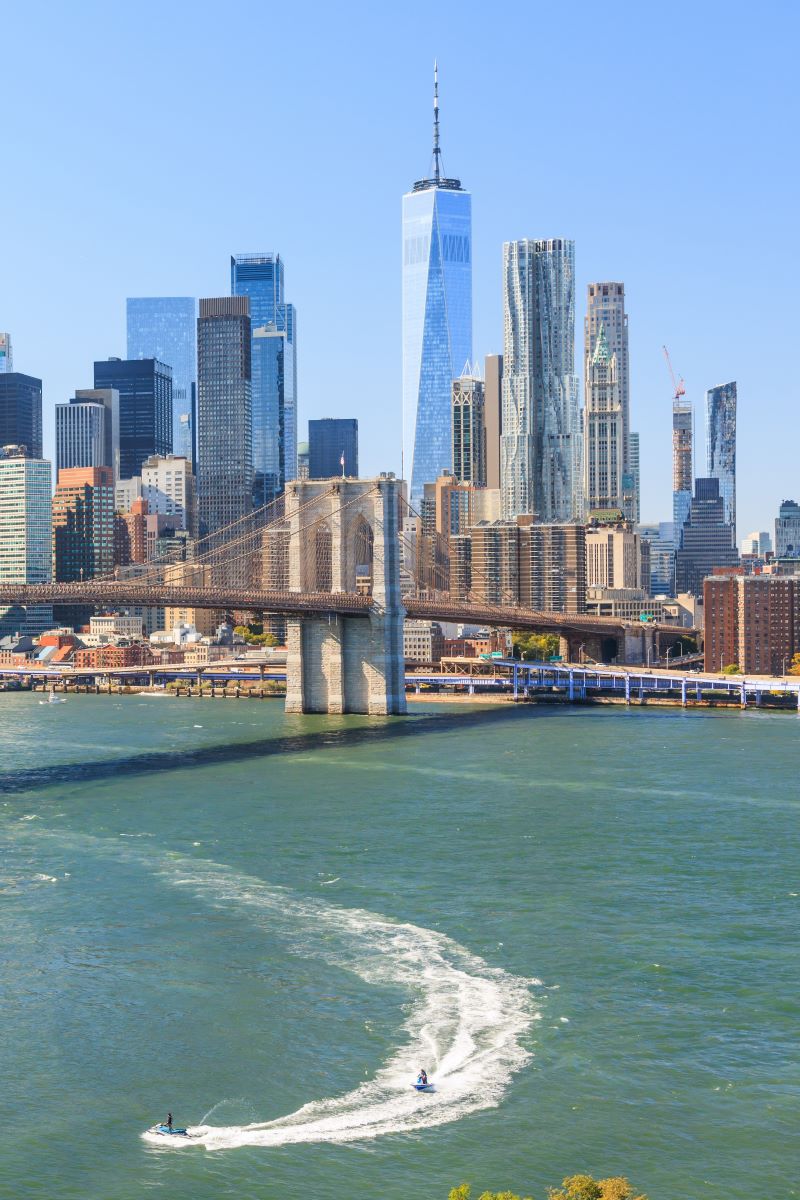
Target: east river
{"x":582,"y":922}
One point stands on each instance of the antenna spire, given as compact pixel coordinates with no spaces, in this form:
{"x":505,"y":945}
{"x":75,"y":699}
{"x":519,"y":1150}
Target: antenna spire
{"x":437,"y":154}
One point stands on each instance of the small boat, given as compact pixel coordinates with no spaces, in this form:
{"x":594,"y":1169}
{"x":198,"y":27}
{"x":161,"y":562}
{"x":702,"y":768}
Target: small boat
{"x":53,"y":699}
{"x":423,"y":1087}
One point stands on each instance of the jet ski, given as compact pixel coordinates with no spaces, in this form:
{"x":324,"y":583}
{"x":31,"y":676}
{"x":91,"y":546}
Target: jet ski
{"x":165,"y":1131}
{"x":423,"y":1086}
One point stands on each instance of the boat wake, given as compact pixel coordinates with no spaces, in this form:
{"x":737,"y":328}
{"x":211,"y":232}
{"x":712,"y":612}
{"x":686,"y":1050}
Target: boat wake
{"x":465,"y":1019}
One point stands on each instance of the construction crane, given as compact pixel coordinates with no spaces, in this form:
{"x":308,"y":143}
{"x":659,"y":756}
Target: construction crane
{"x":679,"y":387}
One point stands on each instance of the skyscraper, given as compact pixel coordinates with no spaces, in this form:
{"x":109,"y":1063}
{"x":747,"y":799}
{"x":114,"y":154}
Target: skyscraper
{"x":21,"y":412}
{"x":83,"y":524}
{"x":541,"y":445}
{"x":787,"y":530}
{"x":469,"y":430}
{"x":26,"y":553}
{"x":87,"y":430}
{"x":330,"y":440}
{"x":165,"y":328}
{"x":168,"y":489}
{"x":706,"y":539}
{"x":145,"y":408}
{"x":224,"y":412}
{"x":631,"y":482}
{"x":109,"y":398}
{"x":80,"y":435}
{"x":493,"y":409}
{"x":437,"y":314}
{"x":682,"y":463}
{"x":603,"y":430}
{"x":721,"y":446}
{"x":6,"y":353}
{"x":605,"y":305}
{"x":274,"y":369}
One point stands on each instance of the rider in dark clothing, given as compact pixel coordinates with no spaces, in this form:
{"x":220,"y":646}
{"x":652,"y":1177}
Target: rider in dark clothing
{"x":169,"y":1121}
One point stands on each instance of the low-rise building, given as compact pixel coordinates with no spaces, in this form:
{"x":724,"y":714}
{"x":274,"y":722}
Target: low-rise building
{"x":109,"y":656}
{"x":115,"y":625}
{"x":423,"y":641}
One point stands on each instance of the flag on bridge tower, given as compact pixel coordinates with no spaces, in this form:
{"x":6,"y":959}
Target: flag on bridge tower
{"x":341,"y":460}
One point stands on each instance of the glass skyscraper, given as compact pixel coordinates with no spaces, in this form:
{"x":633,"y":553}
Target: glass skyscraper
{"x":224,"y":409}
{"x":165,"y":328}
{"x":330,"y":440}
{"x":274,"y":366}
{"x":145,"y":408}
{"x":21,"y":412}
{"x":542,"y":440}
{"x":721,"y":446}
{"x":437,"y":316}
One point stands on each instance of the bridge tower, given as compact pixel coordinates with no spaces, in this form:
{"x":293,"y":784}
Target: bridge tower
{"x":344,"y":538}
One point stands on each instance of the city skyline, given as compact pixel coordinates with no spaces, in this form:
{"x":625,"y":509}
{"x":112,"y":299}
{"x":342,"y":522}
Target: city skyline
{"x":167,"y":249}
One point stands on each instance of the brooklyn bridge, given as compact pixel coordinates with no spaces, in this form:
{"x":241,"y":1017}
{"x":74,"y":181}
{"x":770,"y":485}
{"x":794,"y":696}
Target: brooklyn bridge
{"x":336,"y":559}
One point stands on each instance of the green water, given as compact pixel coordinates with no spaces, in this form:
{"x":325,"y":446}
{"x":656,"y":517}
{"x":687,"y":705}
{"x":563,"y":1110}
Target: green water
{"x":583,"y":922}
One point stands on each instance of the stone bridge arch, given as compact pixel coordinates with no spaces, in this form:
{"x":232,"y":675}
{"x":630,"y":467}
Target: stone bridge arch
{"x":342,"y":663}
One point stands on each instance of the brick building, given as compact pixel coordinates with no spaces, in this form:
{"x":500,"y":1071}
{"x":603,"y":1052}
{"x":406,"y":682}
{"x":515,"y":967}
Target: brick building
{"x":753,"y":621}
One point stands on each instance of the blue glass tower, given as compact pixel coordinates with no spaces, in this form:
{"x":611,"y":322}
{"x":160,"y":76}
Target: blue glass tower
{"x":165,"y":328}
{"x":721,"y":446}
{"x":274,"y":359}
{"x":437,"y":314}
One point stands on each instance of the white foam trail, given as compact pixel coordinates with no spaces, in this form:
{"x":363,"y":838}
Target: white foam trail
{"x":465,"y":1021}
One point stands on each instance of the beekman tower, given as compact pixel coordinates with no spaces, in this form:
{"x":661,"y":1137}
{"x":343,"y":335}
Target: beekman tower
{"x":437,"y":314}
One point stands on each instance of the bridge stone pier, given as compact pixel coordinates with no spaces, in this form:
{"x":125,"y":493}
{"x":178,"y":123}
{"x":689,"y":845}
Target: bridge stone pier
{"x":343,"y":537}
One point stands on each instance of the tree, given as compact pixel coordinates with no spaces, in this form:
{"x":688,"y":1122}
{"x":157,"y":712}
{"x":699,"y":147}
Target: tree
{"x":253,"y":635}
{"x":464,"y":1192}
{"x":538,"y":646}
{"x":584,"y":1187}
{"x":731,"y":669}
{"x":575,"y":1187}
{"x":794,"y":666}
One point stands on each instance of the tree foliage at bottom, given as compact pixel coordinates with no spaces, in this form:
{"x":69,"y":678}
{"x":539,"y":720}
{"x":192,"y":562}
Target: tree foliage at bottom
{"x":574,"y":1187}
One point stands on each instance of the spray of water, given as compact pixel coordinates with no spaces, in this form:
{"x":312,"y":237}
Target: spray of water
{"x":464,"y":1018}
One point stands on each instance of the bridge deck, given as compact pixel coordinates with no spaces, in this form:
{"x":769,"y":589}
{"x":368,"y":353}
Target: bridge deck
{"x":123,"y":592}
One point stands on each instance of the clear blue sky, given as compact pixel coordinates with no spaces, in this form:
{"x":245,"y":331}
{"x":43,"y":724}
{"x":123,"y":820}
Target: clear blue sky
{"x":143,"y":143}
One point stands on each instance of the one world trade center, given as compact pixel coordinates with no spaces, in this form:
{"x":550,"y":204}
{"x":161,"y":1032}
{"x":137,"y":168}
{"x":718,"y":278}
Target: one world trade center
{"x":437,"y":314}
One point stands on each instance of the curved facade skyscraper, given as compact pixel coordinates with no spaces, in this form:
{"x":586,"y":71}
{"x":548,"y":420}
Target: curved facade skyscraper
{"x":541,"y":451}
{"x":721,"y":446}
{"x":437,"y":315}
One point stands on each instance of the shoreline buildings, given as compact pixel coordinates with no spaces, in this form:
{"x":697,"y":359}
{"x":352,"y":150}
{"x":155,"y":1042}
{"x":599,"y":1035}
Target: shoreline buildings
{"x":437,"y":314}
